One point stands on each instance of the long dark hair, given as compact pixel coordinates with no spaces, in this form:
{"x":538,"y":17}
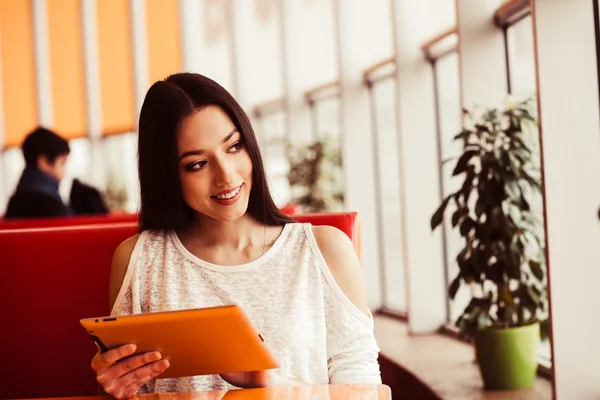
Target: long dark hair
{"x":166,"y":104}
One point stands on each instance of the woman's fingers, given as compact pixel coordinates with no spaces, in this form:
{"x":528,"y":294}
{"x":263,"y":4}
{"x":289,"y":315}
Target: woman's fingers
{"x":132,"y":365}
{"x":122,"y":376}
{"x":138,"y":378}
{"x":124,"y":367}
{"x":104,"y":360}
{"x":145,"y":370}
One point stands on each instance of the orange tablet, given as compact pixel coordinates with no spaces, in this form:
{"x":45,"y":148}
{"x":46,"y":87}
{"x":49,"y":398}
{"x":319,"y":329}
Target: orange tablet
{"x":196,"y":342}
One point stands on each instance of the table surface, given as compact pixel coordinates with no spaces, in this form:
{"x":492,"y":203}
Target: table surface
{"x":321,"y":392}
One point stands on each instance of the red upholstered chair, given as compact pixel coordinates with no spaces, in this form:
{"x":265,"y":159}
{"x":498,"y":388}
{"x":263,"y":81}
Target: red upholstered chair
{"x":291,"y":209}
{"x":52,"y":278}
{"x":66,"y":221}
{"x":347,"y":222}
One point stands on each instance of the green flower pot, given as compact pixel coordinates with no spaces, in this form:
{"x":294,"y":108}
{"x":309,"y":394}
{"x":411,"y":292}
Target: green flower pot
{"x":508,"y":358}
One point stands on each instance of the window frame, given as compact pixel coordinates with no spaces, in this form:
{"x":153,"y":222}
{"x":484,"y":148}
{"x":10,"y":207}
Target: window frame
{"x":440,"y":46}
{"x":319,"y":93}
{"x":381,"y":71}
{"x":312,"y":97}
{"x":509,"y":14}
{"x":267,"y":109}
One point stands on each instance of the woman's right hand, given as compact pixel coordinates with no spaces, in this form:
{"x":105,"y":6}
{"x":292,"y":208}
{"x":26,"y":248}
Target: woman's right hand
{"x":123,"y":378}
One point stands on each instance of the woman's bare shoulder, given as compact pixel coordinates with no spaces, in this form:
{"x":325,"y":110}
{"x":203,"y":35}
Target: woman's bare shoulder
{"x":119,"y":264}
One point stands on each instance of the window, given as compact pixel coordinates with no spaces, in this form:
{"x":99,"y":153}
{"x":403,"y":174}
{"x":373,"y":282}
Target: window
{"x":121,"y":172}
{"x":12,"y":166}
{"x":325,"y":109}
{"x":382,"y":86}
{"x":388,"y":194}
{"x":448,"y":104}
{"x":520,"y":55}
{"x":326,"y":118}
{"x":273,"y":142}
{"x":79,"y":166}
{"x":324,"y":103}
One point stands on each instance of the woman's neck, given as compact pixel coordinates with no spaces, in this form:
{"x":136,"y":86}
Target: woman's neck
{"x":239,"y":234}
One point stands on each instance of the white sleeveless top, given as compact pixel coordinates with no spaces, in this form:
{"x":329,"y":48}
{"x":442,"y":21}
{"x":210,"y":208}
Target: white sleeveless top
{"x":314,"y":331}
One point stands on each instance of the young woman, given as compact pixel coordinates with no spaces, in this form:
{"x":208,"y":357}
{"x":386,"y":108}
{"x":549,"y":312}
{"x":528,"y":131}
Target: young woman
{"x":211,"y":235}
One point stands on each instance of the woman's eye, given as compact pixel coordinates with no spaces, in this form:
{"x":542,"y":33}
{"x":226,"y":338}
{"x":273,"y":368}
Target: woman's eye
{"x":236,"y":147}
{"x":196,"y":166}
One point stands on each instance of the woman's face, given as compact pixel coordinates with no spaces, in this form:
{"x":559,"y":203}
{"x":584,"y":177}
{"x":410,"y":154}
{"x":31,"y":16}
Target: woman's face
{"x":214,"y":166}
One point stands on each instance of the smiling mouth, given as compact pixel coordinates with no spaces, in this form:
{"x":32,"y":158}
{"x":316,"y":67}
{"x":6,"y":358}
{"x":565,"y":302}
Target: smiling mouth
{"x":229,"y":195}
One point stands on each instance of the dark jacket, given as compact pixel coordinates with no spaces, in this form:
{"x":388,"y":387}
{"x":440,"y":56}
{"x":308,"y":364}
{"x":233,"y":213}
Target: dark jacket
{"x":36,"y":196}
{"x":86,"y":199}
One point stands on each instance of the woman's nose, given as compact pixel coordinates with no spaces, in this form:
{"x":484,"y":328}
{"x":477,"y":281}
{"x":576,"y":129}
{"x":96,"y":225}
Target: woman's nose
{"x":224,"y":174}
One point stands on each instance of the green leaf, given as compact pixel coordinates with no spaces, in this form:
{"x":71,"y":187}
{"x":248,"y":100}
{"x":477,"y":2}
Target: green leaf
{"x":534,"y":296}
{"x":458,"y":214}
{"x":513,"y":267}
{"x":454,"y":286}
{"x":494,"y":272}
{"x":467,"y":185}
{"x":518,"y":140}
{"x":463,"y":162}
{"x":524,"y":203}
{"x":513,"y":190}
{"x":533,"y":182}
{"x":466,"y":226}
{"x":536,"y":269}
{"x":465,"y":133}
{"x":497,"y":218}
{"x":480,"y":207}
{"x":438,"y":216}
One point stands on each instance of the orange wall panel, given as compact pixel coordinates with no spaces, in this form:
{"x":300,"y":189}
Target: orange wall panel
{"x":17,"y":62}
{"x":116,"y":66}
{"x":164,"y":38}
{"x":67,"y":67}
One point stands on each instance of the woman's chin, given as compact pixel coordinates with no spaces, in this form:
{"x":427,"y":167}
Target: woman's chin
{"x":228,"y":214}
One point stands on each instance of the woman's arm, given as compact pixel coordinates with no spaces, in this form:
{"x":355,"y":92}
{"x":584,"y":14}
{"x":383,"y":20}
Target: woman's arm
{"x":340,"y":256}
{"x":348,"y":364}
{"x":351,"y":346}
{"x":118,"y":269}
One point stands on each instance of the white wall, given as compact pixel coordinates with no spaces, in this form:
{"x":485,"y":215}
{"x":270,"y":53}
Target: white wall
{"x":207,"y":40}
{"x":310,"y":58}
{"x":258,"y":51}
{"x":570,"y":132}
{"x":482,"y":61}
{"x":357,"y":51}
{"x":419,"y":170}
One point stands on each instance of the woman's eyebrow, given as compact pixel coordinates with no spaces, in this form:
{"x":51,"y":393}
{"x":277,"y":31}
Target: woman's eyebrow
{"x":200,"y":151}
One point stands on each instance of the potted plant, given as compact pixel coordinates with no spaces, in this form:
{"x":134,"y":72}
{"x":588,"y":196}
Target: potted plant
{"x":116,"y":196}
{"x":503,"y":255}
{"x":315,"y":176}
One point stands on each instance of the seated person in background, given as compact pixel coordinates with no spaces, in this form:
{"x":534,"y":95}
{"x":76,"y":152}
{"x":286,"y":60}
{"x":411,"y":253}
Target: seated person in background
{"x":86,"y":200}
{"x":37,"y":194}
{"x":211,"y":235}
